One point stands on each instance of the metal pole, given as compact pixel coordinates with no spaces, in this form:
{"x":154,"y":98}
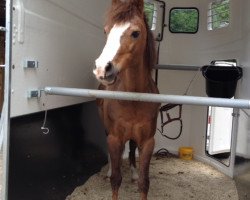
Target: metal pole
{"x":178,"y":67}
{"x":157,"y":98}
{"x":6,"y":113}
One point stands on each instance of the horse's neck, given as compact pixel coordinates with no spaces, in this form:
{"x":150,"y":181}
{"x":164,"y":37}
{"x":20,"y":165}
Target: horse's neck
{"x":134,"y":79}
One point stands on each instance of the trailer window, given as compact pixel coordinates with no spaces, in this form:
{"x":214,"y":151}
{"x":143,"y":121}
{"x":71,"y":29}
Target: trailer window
{"x":151,"y":14}
{"x":218,"y":14}
{"x":155,"y":14}
{"x":184,"y":20}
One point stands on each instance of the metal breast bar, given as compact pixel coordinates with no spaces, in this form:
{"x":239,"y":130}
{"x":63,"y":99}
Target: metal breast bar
{"x":157,"y":98}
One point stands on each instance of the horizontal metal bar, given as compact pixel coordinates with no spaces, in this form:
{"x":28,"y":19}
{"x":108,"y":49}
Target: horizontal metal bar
{"x":218,"y":13}
{"x":213,"y":8}
{"x":220,"y":21}
{"x":178,"y":67}
{"x":219,"y":4}
{"x":3,"y":29}
{"x":2,"y":65}
{"x":157,"y":98}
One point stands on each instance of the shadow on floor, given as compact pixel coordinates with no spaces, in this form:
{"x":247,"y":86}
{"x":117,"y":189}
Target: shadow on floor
{"x":49,"y":167}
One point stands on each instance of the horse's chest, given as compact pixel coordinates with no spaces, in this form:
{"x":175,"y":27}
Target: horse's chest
{"x":130,"y":112}
{"x":129,"y":118}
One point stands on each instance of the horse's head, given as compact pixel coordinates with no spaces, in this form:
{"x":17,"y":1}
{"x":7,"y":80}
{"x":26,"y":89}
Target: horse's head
{"x":127,"y":33}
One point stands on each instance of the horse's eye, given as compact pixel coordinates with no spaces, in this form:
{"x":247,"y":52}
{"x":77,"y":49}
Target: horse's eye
{"x":135,"y":34}
{"x":104,"y":31}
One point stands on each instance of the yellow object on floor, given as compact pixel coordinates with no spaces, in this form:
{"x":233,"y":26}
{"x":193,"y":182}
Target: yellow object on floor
{"x":186,"y":153}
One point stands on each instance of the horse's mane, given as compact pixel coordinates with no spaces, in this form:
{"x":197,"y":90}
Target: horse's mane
{"x":121,"y":13}
{"x":150,"y":51}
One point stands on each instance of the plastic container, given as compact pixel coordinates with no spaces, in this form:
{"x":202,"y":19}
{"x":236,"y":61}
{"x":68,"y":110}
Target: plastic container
{"x":186,"y":153}
{"x":221,"y":81}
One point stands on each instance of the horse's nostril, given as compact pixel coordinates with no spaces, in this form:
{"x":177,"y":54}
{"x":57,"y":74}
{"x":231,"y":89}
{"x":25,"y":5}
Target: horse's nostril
{"x":108,"y":67}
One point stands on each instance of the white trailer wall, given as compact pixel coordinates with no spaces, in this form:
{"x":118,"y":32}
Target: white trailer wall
{"x":196,"y":49}
{"x":245,"y":50}
{"x":243,"y":140}
{"x":64,"y":37}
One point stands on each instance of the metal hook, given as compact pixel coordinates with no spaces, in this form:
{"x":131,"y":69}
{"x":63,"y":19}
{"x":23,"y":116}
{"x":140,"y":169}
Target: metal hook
{"x":45,"y":129}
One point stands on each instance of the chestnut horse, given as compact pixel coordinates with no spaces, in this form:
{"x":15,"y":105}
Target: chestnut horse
{"x":125,"y":64}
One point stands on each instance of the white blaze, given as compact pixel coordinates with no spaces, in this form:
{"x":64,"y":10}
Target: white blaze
{"x":112,"y":45}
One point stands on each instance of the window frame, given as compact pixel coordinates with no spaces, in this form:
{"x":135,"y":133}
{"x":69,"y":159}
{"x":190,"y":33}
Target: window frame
{"x":158,"y":24}
{"x":184,"y":32}
{"x":154,"y":15}
{"x":210,"y":20}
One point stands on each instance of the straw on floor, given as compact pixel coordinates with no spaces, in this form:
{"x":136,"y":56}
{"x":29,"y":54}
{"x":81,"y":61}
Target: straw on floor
{"x":171,"y":178}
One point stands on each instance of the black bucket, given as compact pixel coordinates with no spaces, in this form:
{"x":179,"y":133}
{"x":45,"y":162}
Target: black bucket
{"x":221,"y":81}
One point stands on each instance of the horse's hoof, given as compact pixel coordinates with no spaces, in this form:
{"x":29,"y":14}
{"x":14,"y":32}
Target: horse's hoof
{"x":134,"y":180}
{"x":134,"y":173}
{"x":135,"y":177}
{"x":109,"y":173}
{"x":106,"y":178}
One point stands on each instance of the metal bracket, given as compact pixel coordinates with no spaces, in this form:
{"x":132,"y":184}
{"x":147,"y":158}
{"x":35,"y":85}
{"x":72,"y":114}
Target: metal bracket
{"x":235,"y":114}
{"x":34,"y":94}
{"x":3,"y":29}
{"x":30,"y":64}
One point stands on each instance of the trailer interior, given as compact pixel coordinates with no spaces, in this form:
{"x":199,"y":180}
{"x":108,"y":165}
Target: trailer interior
{"x":50,"y":144}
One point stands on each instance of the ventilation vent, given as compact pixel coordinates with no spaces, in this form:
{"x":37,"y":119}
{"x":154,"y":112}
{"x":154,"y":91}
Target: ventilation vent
{"x":151,"y":14}
{"x":218,"y":14}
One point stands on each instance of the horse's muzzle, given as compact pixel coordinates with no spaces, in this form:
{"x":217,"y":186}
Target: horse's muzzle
{"x":106,"y":75}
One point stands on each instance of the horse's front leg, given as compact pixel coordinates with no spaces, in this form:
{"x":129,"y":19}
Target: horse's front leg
{"x":115,"y":147}
{"x":145,"y":154}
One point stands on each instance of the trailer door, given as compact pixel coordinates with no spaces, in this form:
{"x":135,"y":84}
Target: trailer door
{"x":220,"y":131}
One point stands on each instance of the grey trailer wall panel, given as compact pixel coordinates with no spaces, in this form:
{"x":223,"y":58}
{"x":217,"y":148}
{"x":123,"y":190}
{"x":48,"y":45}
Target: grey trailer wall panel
{"x":64,"y":38}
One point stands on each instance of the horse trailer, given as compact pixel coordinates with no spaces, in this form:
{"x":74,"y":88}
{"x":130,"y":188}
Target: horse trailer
{"x":53,"y":141}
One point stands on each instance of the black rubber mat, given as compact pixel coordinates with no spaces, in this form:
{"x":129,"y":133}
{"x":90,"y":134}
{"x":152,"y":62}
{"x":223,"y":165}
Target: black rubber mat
{"x":49,"y":167}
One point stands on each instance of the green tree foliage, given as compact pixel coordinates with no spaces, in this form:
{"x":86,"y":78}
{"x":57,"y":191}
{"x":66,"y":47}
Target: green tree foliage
{"x":220,"y":14}
{"x":149,"y":11}
{"x":184,"y":20}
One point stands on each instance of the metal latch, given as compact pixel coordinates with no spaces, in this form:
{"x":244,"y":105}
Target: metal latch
{"x":31,"y":64}
{"x":3,"y":29}
{"x":34,"y":94}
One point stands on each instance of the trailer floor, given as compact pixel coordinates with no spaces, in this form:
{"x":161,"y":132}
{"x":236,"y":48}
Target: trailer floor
{"x":56,"y":184}
{"x":171,"y":178}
